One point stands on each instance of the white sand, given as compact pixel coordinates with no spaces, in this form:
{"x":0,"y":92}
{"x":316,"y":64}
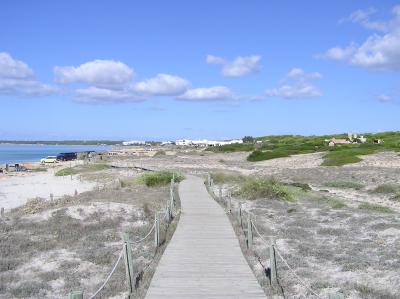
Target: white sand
{"x":18,"y":189}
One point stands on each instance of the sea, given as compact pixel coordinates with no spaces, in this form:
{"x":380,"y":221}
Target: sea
{"x":18,"y":153}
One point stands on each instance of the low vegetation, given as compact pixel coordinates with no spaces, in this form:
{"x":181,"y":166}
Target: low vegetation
{"x":82,"y":169}
{"x":375,"y":208}
{"x":229,"y":148}
{"x":66,"y":171}
{"x":38,"y":169}
{"x":347,"y":155}
{"x":159,"y":178}
{"x":345,"y":184}
{"x":226,"y":177}
{"x":387,"y":189}
{"x":272,"y":147}
{"x":334,"y":202}
{"x":254,"y":188}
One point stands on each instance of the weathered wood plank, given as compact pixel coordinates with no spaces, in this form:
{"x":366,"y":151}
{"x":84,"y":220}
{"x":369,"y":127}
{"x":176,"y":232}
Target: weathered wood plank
{"x":203,"y":259}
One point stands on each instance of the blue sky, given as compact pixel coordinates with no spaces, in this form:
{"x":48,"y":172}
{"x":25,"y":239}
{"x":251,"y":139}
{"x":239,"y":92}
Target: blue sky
{"x":197,"y":69}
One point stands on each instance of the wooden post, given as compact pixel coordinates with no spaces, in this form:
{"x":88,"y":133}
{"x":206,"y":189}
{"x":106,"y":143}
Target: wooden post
{"x":209,"y":180}
{"x":240,"y":214}
{"x":2,"y":212}
{"x":76,"y":192}
{"x":130,"y":278}
{"x":229,"y":204}
{"x":51,"y":197}
{"x":157,"y":231}
{"x":272,"y":261}
{"x":249,"y":232}
{"x":76,"y":295}
{"x":220,"y":192}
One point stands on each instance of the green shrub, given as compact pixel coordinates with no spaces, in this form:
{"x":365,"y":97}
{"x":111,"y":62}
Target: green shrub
{"x":302,"y":186}
{"x":258,"y":155}
{"x":97,"y":166}
{"x":253,"y":188}
{"x":387,"y":188}
{"x":38,"y":169}
{"x":345,"y":184}
{"x":237,"y":147}
{"x":226,"y":177}
{"x":375,"y":208}
{"x":66,"y":171}
{"x":346,"y":155}
{"x":334,"y":202}
{"x":159,"y":178}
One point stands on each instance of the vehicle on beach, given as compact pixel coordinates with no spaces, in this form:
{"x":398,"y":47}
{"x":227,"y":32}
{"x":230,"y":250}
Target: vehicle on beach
{"x":49,"y":159}
{"x":66,"y":156}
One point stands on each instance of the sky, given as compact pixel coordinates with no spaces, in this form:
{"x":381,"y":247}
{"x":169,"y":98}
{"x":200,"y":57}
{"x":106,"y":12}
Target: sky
{"x":216,"y":69}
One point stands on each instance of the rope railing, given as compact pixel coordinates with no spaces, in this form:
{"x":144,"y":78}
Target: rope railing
{"x":108,"y":277}
{"x":165,"y":214}
{"x":249,"y":236}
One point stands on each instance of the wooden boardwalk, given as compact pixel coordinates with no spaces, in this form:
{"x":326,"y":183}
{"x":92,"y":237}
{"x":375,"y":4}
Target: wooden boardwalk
{"x":203,"y":258}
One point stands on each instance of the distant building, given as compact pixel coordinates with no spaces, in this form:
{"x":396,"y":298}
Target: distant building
{"x":205,"y":142}
{"x":134,"y":142}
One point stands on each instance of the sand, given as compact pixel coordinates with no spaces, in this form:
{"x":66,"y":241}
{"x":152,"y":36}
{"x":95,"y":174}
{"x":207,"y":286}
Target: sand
{"x":17,"y":189}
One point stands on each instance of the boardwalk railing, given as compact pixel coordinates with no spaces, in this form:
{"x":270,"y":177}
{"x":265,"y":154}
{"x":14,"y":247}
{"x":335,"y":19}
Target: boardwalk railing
{"x":246,"y":221}
{"x":164,"y":216}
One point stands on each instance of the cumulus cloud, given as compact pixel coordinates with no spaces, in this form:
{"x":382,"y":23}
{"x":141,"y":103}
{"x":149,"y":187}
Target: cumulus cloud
{"x":162,"y":85}
{"x":240,"y":66}
{"x":380,"y":51}
{"x":99,"y":73}
{"x":209,"y":94}
{"x":296,"y":85}
{"x":17,"y":78}
{"x":103,"y":95}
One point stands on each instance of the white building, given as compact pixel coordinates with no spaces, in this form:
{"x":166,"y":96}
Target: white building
{"x":205,"y":142}
{"x":134,"y":142}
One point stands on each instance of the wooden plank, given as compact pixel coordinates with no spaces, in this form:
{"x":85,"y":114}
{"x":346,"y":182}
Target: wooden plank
{"x":203,"y":258}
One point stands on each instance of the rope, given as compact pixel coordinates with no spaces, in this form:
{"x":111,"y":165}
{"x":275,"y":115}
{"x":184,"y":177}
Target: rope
{"x":145,"y":237}
{"x":108,"y":277}
{"x":294,"y":273}
{"x":258,"y":233}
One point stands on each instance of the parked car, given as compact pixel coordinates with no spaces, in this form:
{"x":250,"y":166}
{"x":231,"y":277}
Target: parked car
{"x":49,"y":159}
{"x":66,"y":156}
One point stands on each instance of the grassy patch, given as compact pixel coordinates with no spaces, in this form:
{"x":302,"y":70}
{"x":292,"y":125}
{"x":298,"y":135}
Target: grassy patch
{"x":159,"y":178}
{"x":226,"y":177}
{"x":38,"y":169}
{"x":229,"y":148}
{"x":253,"y":188}
{"x":334,"y":202}
{"x":347,"y":155}
{"x":96,"y":167}
{"x":375,"y":208}
{"x":259,"y":155}
{"x":345,"y":184}
{"x":387,"y":189}
{"x":66,"y":171}
{"x":303,"y":186}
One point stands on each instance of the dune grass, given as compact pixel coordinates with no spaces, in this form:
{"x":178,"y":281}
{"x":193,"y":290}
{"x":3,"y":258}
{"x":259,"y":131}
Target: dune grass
{"x":226,"y":177}
{"x":334,"y":202}
{"x":254,"y":188}
{"x":159,"y":178}
{"x":387,"y":189}
{"x":375,"y":208}
{"x":345,"y":184}
{"x":67,"y":171}
{"x":273,"y":147}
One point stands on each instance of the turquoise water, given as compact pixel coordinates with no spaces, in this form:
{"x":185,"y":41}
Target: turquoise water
{"x":17,"y":153}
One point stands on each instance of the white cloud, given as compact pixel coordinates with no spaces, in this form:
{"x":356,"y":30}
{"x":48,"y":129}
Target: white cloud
{"x":378,"y":51}
{"x":240,"y":66}
{"x":210,"y":94}
{"x":17,"y":78}
{"x":103,"y":95}
{"x":384,"y":98}
{"x":296,"y":85}
{"x":99,"y":73}
{"x":362,"y":17}
{"x":211,"y":59}
{"x":162,"y":85}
